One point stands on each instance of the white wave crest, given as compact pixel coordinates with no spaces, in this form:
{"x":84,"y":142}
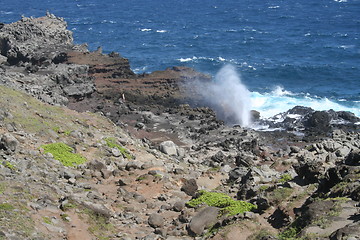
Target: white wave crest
{"x":279,"y":100}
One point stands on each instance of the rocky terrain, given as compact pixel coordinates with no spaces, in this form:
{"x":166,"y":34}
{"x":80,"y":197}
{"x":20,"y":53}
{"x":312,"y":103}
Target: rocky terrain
{"x":91,"y":150}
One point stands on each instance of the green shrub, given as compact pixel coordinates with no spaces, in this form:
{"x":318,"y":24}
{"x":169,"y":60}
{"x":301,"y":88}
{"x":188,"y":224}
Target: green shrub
{"x":9,"y":166}
{"x":285,"y":178}
{"x":111,"y":143}
{"x":228,"y":205}
{"x":63,"y":153}
{"x":289,"y":234}
{"x":279,"y":195}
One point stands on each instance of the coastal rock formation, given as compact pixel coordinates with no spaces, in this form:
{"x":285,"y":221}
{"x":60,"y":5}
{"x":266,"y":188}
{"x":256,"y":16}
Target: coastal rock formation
{"x":127,"y":162}
{"x":35,"y":40}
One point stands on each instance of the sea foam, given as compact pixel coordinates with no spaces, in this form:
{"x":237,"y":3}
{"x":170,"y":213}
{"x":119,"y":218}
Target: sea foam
{"x":280,"y":100}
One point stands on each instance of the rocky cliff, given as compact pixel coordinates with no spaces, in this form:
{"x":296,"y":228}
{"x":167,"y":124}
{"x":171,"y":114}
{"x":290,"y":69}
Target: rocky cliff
{"x":91,"y":150}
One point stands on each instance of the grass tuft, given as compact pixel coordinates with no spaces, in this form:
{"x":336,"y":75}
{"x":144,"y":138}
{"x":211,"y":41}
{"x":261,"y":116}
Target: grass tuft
{"x":111,"y":143}
{"x":63,"y":153}
{"x":228,"y":205}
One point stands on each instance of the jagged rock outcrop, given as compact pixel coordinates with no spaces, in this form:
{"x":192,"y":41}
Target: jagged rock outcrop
{"x":36,"y":40}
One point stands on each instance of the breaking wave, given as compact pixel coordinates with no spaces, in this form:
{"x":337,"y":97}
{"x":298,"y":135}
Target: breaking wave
{"x":280,"y":100}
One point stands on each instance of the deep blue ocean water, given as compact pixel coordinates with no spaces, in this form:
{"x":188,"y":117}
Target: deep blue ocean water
{"x":288,"y":52}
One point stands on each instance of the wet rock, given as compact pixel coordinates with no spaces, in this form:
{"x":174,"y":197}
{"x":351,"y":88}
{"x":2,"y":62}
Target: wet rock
{"x":204,"y":219}
{"x":319,"y":121}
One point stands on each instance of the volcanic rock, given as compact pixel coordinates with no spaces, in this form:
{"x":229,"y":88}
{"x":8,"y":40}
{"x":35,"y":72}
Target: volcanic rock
{"x":8,"y":142}
{"x":169,"y":148}
{"x":156,"y":220}
{"x":35,"y":40}
{"x":190,"y":187}
{"x":204,"y":219}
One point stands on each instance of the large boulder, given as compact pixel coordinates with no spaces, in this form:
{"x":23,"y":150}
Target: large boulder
{"x":350,"y":231}
{"x":353,"y":158}
{"x":204,"y":219}
{"x":190,"y":187}
{"x":169,"y":148}
{"x":8,"y":142}
{"x":35,"y":39}
{"x":155,"y":220}
{"x":319,"y":121}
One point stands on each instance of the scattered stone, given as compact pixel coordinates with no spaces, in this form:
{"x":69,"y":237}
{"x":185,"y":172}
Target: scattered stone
{"x":116,"y":152}
{"x":178,"y":206}
{"x":155,"y":220}
{"x":190,"y":187}
{"x":106,"y":173}
{"x":204,"y":219}
{"x":169,"y":148}
{"x":8,"y":142}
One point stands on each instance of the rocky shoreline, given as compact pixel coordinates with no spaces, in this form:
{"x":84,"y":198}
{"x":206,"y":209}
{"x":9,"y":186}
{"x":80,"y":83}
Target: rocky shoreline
{"x":151,"y":147}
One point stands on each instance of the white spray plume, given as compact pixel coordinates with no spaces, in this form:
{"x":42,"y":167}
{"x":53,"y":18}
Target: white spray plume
{"x":228,"y":97}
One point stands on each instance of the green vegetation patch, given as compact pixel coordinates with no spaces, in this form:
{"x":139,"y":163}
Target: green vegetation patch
{"x":99,"y":225}
{"x":9,"y":165}
{"x":47,"y":220}
{"x":285,"y":178}
{"x":279,"y":195}
{"x":64,"y":154}
{"x":289,"y":233}
{"x":2,"y":187}
{"x":111,"y":143}
{"x":17,"y":221}
{"x":228,"y":205}
{"x":6,"y":207}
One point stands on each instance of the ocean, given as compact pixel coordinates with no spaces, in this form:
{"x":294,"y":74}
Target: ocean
{"x":287,"y":52}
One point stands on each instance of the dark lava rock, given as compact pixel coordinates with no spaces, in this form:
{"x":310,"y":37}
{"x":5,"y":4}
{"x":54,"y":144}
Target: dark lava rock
{"x":353,"y":158}
{"x":237,"y":173}
{"x":341,"y":181}
{"x":319,"y":121}
{"x":310,"y":171}
{"x":204,"y":219}
{"x":218,"y":157}
{"x":35,"y":40}
{"x":190,"y":187}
